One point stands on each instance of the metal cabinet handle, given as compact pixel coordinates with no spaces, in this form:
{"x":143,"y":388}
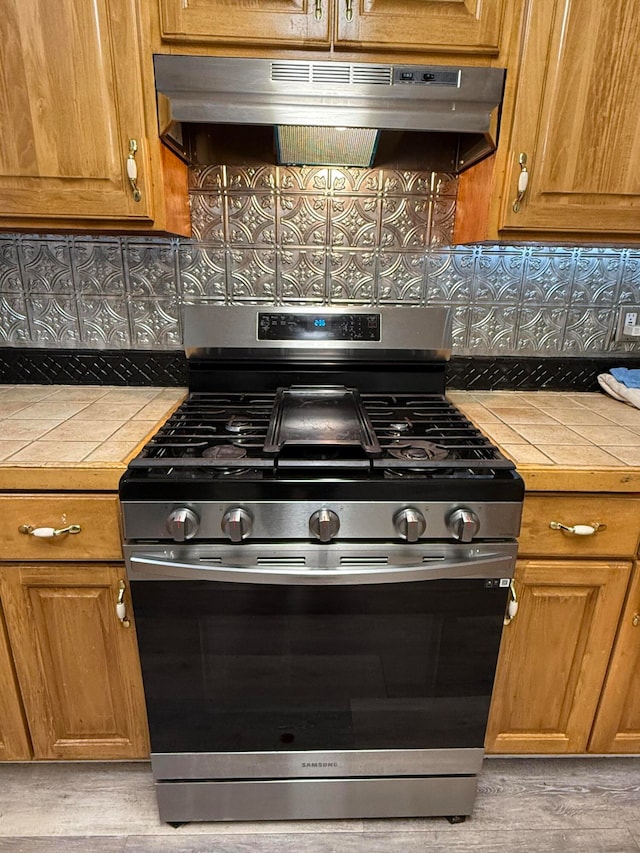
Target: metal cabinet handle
{"x":512,"y":607}
{"x":48,"y":532}
{"x":636,"y":620}
{"x":121,"y":607}
{"x":132,"y":170}
{"x":523,"y":181}
{"x":318,"y":10}
{"x":349,"y":10}
{"x":578,"y":529}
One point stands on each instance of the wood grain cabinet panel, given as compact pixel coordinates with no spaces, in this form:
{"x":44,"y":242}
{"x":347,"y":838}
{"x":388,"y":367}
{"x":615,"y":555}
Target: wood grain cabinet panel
{"x":98,"y":516}
{"x":554,"y":655}
{"x":14,"y":738}
{"x":470,"y":26}
{"x":577,"y":118}
{"x":291,"y":23}
{"x":72,"y":96}
{"x":443,"y":26}
{"x":618,"y":536}
{"x":77,"y":664}
{"x":617,"y":723}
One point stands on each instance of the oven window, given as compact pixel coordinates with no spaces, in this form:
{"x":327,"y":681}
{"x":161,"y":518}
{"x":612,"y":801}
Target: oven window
{"x":239,"y":667}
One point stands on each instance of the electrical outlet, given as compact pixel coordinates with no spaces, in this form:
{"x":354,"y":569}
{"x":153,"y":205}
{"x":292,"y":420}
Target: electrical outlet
{"x":628,"y":327}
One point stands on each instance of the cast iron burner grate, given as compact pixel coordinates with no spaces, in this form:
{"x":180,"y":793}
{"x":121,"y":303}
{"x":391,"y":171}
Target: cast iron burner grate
{"x":418,"y":434}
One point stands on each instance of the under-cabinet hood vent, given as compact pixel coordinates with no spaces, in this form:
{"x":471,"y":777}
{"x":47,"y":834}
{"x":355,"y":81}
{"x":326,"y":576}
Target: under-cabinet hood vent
{"x":443,"y":117}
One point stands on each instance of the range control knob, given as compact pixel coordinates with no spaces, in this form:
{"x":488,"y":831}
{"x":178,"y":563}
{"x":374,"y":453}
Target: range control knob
{"x":237,"y":524}
{"x":463,"y":524}
{"x":182,"y":524}
{"x":324,"y":524}
{"x":409,"y":524}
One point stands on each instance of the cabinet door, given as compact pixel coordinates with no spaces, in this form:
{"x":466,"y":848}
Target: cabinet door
{"x":577,"y":119}
{"x":14,"y":740}
{"x":77,"y":664}
{"x":462,"y":26}
{"x":617,"y":724}
{"x":554,"y":655}
{"x":289,"y":23}
{"x":71,"y":98}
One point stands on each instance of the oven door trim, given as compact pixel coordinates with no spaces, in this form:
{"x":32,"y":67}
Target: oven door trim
{"x":316,"y":764}
{"x":289,"y":565}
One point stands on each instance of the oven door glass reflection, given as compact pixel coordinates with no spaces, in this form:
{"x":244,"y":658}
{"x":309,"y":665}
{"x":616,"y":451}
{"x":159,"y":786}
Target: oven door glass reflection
{"x":234,"y":667}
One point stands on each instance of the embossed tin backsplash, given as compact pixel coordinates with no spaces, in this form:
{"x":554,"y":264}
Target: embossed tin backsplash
{"x":316,"y":236}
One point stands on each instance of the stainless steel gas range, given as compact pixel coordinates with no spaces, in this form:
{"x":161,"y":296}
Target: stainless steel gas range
{"x":320,"y":548}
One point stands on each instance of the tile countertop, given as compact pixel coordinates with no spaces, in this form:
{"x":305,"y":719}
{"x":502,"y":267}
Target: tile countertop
{"x":561,"y":441}
{"x":55,"y":437}
{"x":64,"y":437}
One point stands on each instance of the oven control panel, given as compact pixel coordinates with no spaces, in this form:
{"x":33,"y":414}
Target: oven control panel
{"x":310,"y":521}
{"x":278,"y":326}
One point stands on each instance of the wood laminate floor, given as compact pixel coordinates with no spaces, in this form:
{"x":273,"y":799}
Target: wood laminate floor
{"x":533,"y":805}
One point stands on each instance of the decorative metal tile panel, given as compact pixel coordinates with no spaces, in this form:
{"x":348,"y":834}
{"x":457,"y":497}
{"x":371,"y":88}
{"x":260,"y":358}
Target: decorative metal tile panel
{"x":10,"y":273}
{"x":318,"y":235}
{"x":203,"y":272}
{"x":152,"y":268}
{"x":155,"y":323}
{"x":401,"y":277}
{"x":98,"y":267}
{"x":302,"y":220}
{"x":14,"y":323}
{"x":251,"y":219}
{"x":351,"y":276}
{"x":303,"y":275}
{"x":104,"y":323}
{"x":207,"y":217}
{"x":252,"y":274}
{"x":53,"y":320}
{"x":45,"y":264}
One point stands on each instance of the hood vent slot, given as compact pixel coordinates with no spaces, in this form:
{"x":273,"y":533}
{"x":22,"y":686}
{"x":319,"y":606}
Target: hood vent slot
{"x":332,"y":73}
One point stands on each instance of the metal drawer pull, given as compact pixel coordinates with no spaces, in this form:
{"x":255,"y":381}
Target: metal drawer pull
{"x":578,"y":529}
{"x":132,"y":170}
{"x":349,"y":10}
{"x":121,"y":607}
{"x":48,"y":532}
{"x":523,"y":181}
{"x":512,"y":607}
{"x":636,"y":620}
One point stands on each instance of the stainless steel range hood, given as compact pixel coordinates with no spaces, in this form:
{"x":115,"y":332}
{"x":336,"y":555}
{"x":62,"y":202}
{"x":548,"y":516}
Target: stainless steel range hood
{"x":328,"y":113}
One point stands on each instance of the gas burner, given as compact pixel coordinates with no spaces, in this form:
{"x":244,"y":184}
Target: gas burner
{"x":238,"y":474}
{"x":418,"y":450}
{"x":238,"y":424}
{"x":224,"y":451}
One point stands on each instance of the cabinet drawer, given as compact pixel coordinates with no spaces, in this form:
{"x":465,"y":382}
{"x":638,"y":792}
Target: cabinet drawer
{"x":621,"y":515}
{"x":97,"y":515}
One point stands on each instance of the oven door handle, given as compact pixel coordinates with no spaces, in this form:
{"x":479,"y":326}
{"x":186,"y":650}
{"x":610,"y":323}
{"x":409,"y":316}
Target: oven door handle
{"x":149,"y":567}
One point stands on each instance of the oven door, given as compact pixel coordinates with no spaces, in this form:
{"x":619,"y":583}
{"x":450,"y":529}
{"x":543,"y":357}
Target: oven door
{"x":261,"y":666}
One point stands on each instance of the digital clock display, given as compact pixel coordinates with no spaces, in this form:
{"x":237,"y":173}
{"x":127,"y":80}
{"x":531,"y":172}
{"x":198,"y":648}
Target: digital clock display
{"x":318,"y":327}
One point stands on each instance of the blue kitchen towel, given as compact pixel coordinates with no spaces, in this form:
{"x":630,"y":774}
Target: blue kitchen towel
{"x":630,"y":378}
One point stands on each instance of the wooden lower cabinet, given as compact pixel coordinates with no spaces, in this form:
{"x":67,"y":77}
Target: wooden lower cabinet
{"x":14,"y":739}
{"x":554,"y":655}
{"x":617,"y":723}
{"x":76,"y":663}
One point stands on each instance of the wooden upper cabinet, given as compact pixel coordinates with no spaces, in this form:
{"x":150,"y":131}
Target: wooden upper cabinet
{"x":458,"y":26}
{"x":443,"y":26}
{"x":290,"y":23}
{"x":72,"y":96}
{"x":577,"y":120}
